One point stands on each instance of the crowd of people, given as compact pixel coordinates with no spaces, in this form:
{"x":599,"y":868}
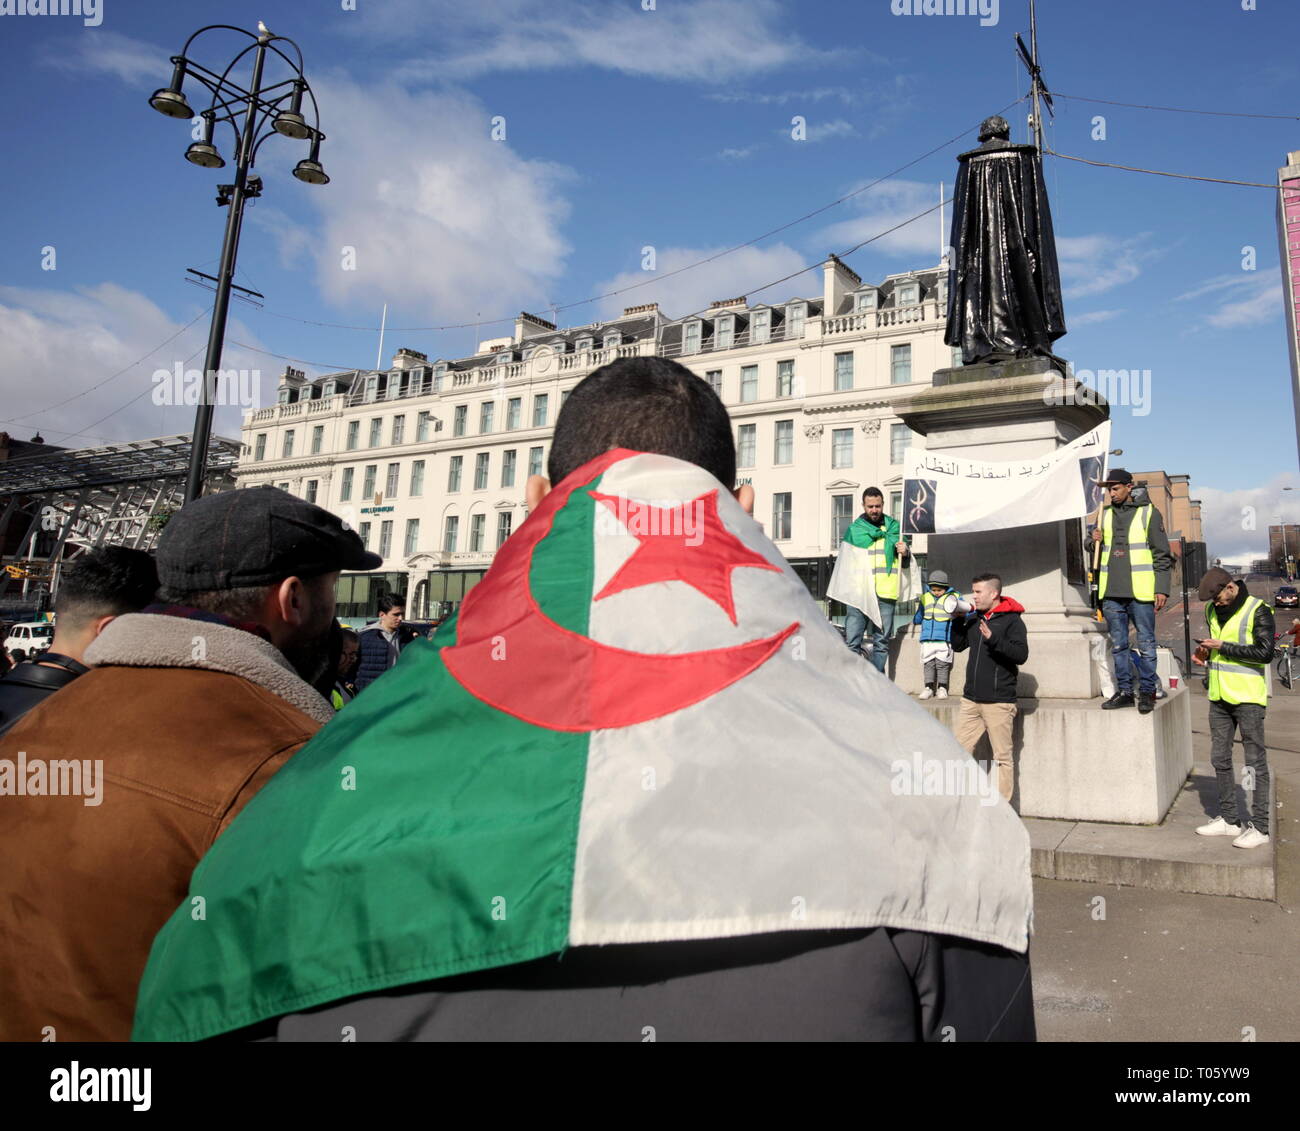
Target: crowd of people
{"x":186,"y":680}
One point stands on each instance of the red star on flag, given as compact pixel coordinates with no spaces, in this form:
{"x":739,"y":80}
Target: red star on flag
{"x":683,"y":543}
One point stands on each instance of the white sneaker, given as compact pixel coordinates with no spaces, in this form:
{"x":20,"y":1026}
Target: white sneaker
{"x":1251,"y":838}
{"x":1220,"y":827}
{"x":942,"y":693}
{"x":928,"y":693}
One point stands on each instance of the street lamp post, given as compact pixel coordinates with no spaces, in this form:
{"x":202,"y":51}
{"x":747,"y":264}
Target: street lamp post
{"x":280,"y":107}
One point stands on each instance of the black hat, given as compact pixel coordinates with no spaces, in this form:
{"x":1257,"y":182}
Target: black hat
{"x":1119,"y":475}
{"x":1214,"y":580}
{"x":254,"y":536}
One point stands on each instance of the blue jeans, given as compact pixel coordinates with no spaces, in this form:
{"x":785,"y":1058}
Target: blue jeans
{"x":1120,"y":612}
{"x":856,"y":625}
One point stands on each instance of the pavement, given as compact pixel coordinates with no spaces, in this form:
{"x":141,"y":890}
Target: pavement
{"x":1126,"y":963}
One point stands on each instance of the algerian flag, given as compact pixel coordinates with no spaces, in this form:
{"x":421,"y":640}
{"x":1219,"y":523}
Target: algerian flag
{"x":852,"y":582}
{"x":639,"y":728}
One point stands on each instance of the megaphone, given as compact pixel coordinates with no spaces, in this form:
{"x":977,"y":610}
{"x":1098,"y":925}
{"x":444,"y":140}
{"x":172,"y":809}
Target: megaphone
{"x":954,"y":605}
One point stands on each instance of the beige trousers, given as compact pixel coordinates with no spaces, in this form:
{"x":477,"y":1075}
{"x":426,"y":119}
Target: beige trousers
{"x":998,"y":719}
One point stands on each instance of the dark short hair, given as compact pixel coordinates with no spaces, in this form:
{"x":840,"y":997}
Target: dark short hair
{"x":873,"y":493}
{"x":993,"y":577}
{"x":645,"y":404}
{"x":243,"y":603}
{"x":105,"y":582}
{"x":390,"y":601}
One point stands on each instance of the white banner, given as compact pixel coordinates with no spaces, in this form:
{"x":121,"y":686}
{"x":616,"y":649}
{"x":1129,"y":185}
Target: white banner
{"x":944,"y":494}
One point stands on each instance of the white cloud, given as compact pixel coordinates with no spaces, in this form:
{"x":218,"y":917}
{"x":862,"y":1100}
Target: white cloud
{"x":736,"y":274}
{"x":55,"y":344}
{"x":888,"y":204}
{"x":1093,"y":316}
{"x":1244,"y":298}
{"x":732,"y":154}
{"x":679,"y":40}
{"x":1235,"y":523}
{"x":1091,"y":265}
{"x":132,"y":61}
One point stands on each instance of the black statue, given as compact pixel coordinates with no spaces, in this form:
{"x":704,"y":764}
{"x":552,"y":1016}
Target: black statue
{"x":1004,"y":288}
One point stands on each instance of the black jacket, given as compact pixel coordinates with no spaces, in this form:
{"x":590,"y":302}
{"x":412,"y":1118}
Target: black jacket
{"x":29,"y":683}
{"x":994,"y":664}
{"x":1262,"y":629}
{"x":373,"y":653}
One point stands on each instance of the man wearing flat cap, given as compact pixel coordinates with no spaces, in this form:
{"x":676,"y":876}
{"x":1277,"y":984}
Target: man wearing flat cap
{"x":190,"y":707}
{"x":1236,"y":650}
{"x":1132,"y":586}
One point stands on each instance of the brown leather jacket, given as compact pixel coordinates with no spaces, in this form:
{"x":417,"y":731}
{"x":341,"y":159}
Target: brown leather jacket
{"x":173,"y":736}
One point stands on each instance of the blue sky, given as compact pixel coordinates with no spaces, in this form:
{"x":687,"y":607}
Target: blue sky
{"x":627,"y":128}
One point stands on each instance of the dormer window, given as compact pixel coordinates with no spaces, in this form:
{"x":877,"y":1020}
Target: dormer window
{"x":723,"y":332}
{"x":394,"y":384}
{"x":328,"y":389}
{"x":908,"y":294}
{"x":691,"y":337}
{"x":582,"y":345}
{"x":613,"y":340}
{"x":439,"y":372}
{"x":558,"y":346}
{"x":285,"y":394}
{"x":372,"y":387}
{"x":865,"y":300}
{"x":795,"y":313}
{"x":759,"y":325}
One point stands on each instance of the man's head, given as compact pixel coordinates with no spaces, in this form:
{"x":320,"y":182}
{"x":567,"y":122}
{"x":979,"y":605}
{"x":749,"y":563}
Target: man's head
{"x":391,"y":611}
{"x":1218,"y":586}
{"x":644,"y":404}
{"x":94,"y":589}
{"x":261,"y":555}
{"x":987,"y":591}
{"x":1119,"y":486}
{"x":873,"y":503}
{"x":348,"y":653}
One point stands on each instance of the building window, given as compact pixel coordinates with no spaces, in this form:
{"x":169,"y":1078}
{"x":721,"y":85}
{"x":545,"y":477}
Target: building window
{"x":748,"y":383}
{"x":390,"y":488}
{"x":317,"y":439}
{"x":368,"y":481}
{"x":783,"y":447}
{"x":312,"y":486}
{"x":746,"y":445}
{"x":392,"y":385}
{"x":354,"y":434}
{"x":399,"y":429}
{"x":422,"y":427}
{"x":534,"y":461}
{"x":363,"y":531}
{"x":385,"y":538}
{"x":284,"y":395}
{"x":477,"y":525}
{"x":540,"y":408}
{"x":759,"y":324}
{"x":865,"y":301}
{"x":691,"y":337}
{"x":781,"y":515}
{"x":259,"y":446}
{"x":613,"y":341}
{"x":449,"y":531}
{"x":504,"y":522}
{"x":795,"y":314}
{"x":453,"y":473}
{"x":412,"y":536}
{"x":481,"y":470}
{"x":372,"y":387}
{"x":508,"y":461}
{"x":564,"y":396}
{"x":900,"y":364}
{"x":287,"y":450}
{"x":785,"y":378}
{"x":328,"y":389}
{"x":714,"y":378}
{"x":909,"y":294}
{"x":841,"y":447}
{"x":843,"y":372}
{"x":514,"y":411}
{"x":841,"y":517}
{"x":284,"y":486}
{"x":376,"y":432}
{"x":417,"y":478}
{"x":459,"y":420}
{"x":723,"y":332}
{"x":582,"y":345}
{"x":895,"y":502}
{"x":345,"y":490}
{"x":900,"y":436}
{"x":487,"y":411}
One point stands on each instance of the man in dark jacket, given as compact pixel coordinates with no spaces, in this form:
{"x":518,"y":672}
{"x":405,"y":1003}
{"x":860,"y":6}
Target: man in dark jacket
{"x":994,"y":633}
{"x":383,"y":641}
{"x":94,"y":590}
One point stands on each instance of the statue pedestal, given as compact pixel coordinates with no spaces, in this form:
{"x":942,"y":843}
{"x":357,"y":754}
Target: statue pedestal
{"x":1008,"y":411}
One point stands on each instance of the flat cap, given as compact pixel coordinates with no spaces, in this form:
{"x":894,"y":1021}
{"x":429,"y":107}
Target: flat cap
{"x":1117,"y":476}
{"x":254,"y":536}
{"x":1214,"y":580}
{"x":937,"y":577}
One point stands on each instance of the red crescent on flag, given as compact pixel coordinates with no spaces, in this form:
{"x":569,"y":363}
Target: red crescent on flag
{"x":604,"y":686}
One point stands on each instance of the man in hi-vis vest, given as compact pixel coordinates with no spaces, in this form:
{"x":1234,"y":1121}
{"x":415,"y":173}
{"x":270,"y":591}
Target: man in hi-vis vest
{"x":1237,"y":651}
{"x":1133,"y":585}
{"x":879,"y":534}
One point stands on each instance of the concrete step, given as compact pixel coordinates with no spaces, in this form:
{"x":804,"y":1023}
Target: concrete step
{"x":1164,"y":857}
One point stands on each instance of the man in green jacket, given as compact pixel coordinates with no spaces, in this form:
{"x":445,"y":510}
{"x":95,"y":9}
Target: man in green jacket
{"x":878,"y":534}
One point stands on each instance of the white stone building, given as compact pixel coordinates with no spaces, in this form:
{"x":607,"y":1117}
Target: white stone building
{"x":428,"y":460}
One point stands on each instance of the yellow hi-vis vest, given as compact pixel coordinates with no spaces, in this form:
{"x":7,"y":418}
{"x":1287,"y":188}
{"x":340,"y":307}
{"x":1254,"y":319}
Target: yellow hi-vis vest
{"x":886,"y":580}
{"x":1141,"y":564}
{"x":1233,"y":680}
{"x":932,"y":608}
